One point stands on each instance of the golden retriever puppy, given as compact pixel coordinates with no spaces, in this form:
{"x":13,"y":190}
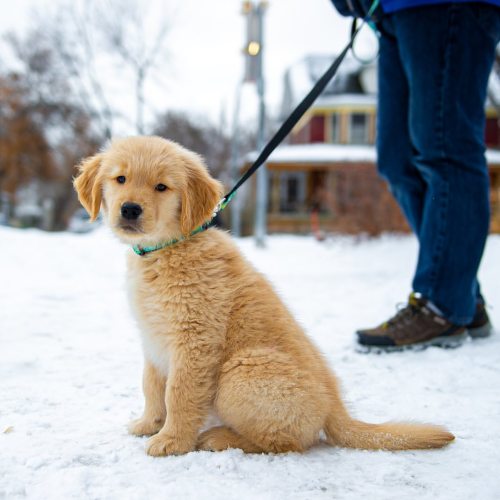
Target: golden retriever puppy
{"x":215,"y":336}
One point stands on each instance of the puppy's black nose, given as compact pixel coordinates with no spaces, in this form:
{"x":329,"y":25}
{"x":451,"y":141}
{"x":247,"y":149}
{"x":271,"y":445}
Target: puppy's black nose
{"x":131,"y":211}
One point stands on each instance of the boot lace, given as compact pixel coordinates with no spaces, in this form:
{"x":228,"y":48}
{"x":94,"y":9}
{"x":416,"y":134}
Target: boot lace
{"x":404,"y":314}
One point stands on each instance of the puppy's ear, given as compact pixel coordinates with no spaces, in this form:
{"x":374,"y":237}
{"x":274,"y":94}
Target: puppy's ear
{"x":88,"y":185}
{"x":199,"y":197}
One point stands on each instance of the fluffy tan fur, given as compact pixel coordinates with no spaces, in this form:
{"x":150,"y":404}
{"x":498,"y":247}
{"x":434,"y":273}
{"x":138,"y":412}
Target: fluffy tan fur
{"x":215,"y":335}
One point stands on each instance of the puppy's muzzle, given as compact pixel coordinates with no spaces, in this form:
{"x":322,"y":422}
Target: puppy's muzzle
{"x":131,"y":211}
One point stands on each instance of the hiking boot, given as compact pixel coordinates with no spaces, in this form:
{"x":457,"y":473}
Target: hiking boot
{"x":480,"y":326}
{"x":416,"y":324}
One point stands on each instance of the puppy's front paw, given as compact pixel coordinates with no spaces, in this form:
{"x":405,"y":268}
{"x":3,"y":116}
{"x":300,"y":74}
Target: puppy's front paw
{"x":144,"y":426}
{"x":164,"y":444}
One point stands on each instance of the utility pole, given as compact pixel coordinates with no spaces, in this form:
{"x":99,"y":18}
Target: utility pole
{"x":254,"y":72}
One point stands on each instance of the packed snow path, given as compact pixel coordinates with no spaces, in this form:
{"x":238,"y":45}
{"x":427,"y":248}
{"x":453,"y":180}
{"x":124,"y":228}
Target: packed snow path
{"x":70,"y":379}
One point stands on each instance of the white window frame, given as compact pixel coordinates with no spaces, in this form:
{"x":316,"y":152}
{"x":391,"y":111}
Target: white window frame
{"x":301,"y":190}
{"x":335,"y":128}
{"x":366,"y":137}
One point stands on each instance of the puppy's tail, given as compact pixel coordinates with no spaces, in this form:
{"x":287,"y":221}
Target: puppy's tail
{"x":342,"y":430}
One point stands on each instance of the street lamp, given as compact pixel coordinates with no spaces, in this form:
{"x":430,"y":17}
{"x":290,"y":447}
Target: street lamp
{"x":254,"y":73}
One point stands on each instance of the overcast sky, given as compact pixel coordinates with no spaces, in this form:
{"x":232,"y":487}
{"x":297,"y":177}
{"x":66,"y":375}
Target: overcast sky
{"x":212,"y":35}
{"x":205,"y":44}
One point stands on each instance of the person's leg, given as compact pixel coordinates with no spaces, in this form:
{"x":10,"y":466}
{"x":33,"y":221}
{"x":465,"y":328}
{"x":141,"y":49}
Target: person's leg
{"x":447,"y":53}
{"x":394,"y":148}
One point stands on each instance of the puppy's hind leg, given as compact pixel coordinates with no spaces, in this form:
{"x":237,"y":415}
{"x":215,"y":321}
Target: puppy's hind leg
{"x":270,"y":401}
{"x":155,"y":412}
{"x":222,"y":438}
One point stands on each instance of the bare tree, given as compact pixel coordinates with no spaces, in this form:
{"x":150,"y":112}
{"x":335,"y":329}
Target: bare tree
{"x":199,"y":135}
{"x":99,"y":44}
{"x":42,"y":133}
{"x":134,"y":43}
{"x":67,"y":34}
{"x":210,"y":141}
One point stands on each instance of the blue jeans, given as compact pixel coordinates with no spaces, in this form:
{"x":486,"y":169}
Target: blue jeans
{"x":433,"y":72}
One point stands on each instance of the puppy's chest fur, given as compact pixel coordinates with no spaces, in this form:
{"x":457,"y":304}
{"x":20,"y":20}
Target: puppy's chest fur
{"x":155,"y":295}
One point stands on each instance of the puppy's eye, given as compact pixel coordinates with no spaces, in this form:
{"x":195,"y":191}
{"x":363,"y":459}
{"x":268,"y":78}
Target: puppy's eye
{"x":160,"y":187}
{"x":121,"y":179}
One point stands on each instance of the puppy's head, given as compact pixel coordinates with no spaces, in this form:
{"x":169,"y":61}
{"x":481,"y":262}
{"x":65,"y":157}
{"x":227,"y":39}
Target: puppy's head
{"x":150,"y":190}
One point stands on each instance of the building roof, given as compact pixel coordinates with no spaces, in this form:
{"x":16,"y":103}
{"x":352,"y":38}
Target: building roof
{"x":321,"y":153}
{"x":352,"y":78}
{"x":318,"y":153}
{"x":493,"y":97}
{"x":346,"y":100}
{"x":493,"y":157}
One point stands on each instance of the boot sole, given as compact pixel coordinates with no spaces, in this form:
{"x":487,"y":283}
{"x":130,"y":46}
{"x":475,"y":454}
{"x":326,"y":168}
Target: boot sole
{"x":445,"y":342}
{"x":480,"y":332}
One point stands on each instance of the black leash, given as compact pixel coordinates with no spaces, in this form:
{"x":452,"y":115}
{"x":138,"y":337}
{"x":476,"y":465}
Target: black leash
{"x":299,"y":111}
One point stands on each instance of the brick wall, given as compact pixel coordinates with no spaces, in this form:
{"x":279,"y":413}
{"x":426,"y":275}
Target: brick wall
{"x":361,"y":202}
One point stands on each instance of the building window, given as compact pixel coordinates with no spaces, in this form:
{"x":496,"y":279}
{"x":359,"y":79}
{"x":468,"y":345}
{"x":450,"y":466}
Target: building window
{"x":292,"y":191}
{"x":358,"y":131}
{"x":335,"y":128}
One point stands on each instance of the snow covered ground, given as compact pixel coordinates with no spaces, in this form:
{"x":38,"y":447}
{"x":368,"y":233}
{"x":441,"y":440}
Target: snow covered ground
{"x":70,"y":377}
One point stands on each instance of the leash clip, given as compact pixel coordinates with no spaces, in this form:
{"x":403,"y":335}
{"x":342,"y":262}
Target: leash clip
{"x":139,"y":250}
{"x":222,"y":204}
